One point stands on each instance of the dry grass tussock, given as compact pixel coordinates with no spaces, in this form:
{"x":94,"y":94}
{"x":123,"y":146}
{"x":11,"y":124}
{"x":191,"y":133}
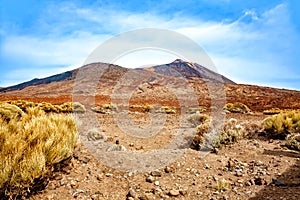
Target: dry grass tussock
{"x":67,"y":107}
{"x":237,"y":107}
{"x":284,"y":125}
{"x":31,"y":143}
{"x":231,"y":131}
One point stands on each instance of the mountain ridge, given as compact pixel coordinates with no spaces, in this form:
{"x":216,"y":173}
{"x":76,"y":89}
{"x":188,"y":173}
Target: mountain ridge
{"x":177,"y":68}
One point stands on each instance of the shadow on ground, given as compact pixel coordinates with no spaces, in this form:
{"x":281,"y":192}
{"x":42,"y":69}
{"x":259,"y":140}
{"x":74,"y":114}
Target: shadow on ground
{"x":284,"y":186}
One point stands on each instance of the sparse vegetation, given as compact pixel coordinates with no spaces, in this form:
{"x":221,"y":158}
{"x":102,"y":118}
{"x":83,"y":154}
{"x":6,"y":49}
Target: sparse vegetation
{"x":31,"y":143}
{"x":283,"y":124}
{"x":70,"y":107}
{"x":231,"y":132}
{"x":222,"y":185}
{"x":104,"y":109}
{"x":272,"y":111}
{"x":198,"y":110}
{"x":293,"y":141}
{"x":198,"y":119}
{"x":237,"y":107}
{"x":167,"y":109}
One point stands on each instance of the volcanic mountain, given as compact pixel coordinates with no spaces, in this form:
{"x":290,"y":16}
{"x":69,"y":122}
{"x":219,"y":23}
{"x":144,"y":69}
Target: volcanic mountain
{"x":148,"y":85}
{"x":178,"y":68}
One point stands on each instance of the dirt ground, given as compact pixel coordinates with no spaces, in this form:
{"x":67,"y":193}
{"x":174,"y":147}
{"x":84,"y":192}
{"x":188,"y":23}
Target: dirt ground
{"x":253,"y":168}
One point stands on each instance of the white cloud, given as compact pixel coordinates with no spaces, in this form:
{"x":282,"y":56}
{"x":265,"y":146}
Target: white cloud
{"x":257,"y":49}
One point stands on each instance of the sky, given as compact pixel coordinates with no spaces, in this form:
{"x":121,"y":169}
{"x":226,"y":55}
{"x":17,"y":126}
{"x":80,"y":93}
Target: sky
{"x":250,"y":42}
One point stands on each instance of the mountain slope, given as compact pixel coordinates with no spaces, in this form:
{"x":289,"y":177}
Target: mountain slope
{"x":69,"y":75}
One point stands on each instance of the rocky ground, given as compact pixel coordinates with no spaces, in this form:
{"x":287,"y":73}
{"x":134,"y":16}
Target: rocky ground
{"x":252,"y":168}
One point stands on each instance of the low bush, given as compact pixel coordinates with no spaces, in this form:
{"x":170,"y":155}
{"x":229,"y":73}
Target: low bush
{"x":231,"y":133}
{"x":167,"y":109}
{"x":283,"y":124}
{"x":198,"y":119}
{"x":70,"y":107}
{"x":30,"y":144}
{"x":272,"y":111}
{"x":104,"y":109}
{"x":237,"y":107}
{"x":293,"y":141}
{"x":24,"y":105}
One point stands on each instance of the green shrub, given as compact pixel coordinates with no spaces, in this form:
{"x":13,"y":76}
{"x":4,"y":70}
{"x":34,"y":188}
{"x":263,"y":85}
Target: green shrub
{"x":280,"y":125}
{"x":237,"y":107}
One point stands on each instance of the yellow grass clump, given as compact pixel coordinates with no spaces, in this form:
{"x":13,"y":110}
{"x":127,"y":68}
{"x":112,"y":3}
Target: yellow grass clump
{"x":9,"y":112}
{"x":168,"y":109}
{"x":282,"y":124}
{"x":237,"y":107}
{"x":69,"y":107}
{"x":22,"y":104}
{"x":31,"y":143}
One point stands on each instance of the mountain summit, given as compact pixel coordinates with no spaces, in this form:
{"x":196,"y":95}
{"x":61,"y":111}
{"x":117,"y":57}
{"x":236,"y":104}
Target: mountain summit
{"x":189,"y":70}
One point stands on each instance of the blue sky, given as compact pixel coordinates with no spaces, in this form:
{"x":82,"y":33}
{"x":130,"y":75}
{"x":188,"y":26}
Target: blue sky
{"x":251,"y":42}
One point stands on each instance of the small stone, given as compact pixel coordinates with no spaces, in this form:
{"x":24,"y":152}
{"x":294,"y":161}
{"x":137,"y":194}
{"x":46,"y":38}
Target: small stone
{"x":156,"y":183}
{"x":74,"y":184}
{"x":51,"y":186}
{"x":259,"y":163}
{"x":150,"y":179}
{"x":143,"y":197}
{"x":174,"y":193}
{"x":130,"y":198}
{"x":239,"y":174}
{"x":99,"y":177}
{"x":108,"y":175}
{"x":169,"y":169}
{"x":156,"y":173}
{"x":277,"y":182}
{"x":63,"y":182}
{"x":230,"y":164}
{"x":183,"y":192}
{"x":131,"y":193}
{"x":85,"y":160}
{"x":260,"y":181}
